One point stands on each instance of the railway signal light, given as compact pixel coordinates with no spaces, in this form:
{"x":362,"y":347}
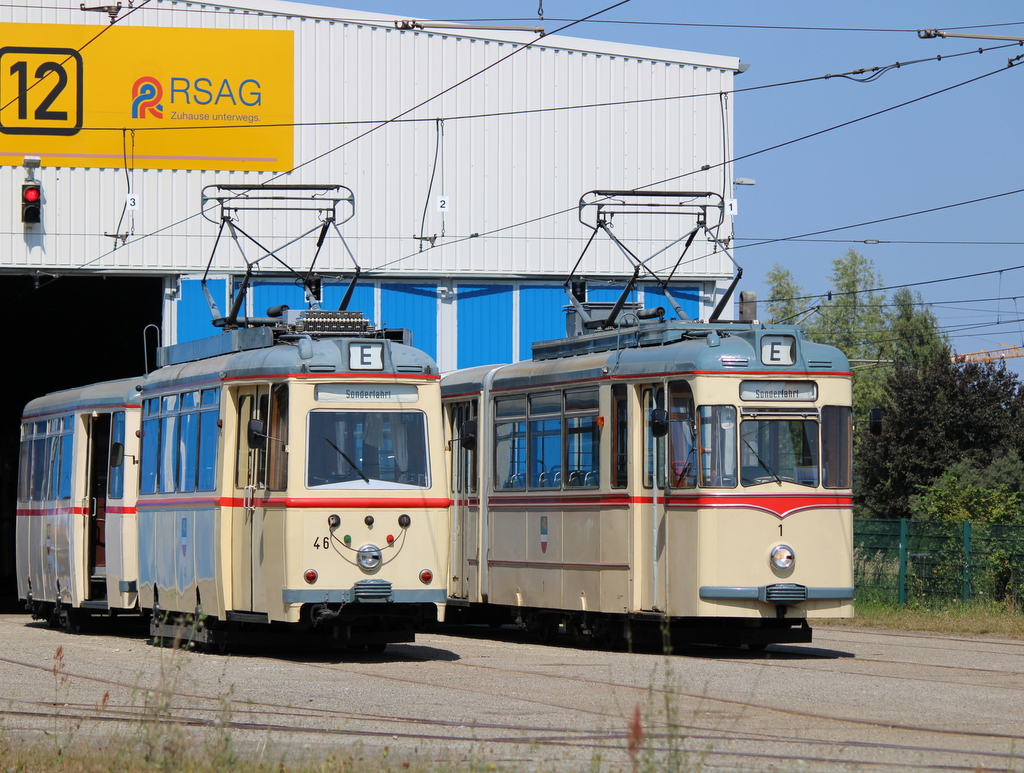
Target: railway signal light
{"x":31,"y":202}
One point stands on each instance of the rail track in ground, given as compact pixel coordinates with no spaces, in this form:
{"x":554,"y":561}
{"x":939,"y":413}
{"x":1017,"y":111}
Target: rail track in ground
{"x":856,"y":699}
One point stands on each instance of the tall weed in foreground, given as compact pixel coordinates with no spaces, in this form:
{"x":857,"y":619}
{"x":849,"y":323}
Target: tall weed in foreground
{"x":167,"y":738}
{"x":656,"y":737}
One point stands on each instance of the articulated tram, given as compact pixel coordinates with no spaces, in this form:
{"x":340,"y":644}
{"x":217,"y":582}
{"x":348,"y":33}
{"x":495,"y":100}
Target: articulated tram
{"x":287,"y":477}
{"x":668,"y":476}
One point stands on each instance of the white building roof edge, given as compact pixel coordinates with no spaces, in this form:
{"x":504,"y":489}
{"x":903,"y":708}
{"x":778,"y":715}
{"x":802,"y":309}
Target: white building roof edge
{"x":582,"y":45}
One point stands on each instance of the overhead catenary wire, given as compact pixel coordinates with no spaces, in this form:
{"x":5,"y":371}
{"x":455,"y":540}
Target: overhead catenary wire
{"x":363,"y":134}
{"x":493,"y":232}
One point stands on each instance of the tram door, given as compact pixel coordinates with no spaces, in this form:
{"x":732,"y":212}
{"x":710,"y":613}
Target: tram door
{"x":465,"y":502}
{"x":95,"y":505}
{"x":248,"y":592}
{"x":652,"y":559}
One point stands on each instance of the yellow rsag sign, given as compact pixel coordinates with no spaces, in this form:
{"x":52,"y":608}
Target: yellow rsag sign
{"x":146,"y":97}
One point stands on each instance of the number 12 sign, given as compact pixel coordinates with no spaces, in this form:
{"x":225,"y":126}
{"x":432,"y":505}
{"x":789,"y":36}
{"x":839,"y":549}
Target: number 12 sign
{"x":40,"y":90}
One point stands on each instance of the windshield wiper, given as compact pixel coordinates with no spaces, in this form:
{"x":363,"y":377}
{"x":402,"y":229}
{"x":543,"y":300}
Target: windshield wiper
{"x":760,"y":461}
{"x":344,"y":456}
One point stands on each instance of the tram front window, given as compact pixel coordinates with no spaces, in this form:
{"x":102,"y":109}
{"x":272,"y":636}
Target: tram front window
{"x":779,"y":450}
{"x":366,"y":449}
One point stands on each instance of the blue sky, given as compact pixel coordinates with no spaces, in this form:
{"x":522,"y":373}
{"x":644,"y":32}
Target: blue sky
{"x":957,"y":146}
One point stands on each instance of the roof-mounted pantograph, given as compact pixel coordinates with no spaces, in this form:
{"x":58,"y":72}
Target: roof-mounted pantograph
{"x":229,"y":205}
{"x":597,"y":210}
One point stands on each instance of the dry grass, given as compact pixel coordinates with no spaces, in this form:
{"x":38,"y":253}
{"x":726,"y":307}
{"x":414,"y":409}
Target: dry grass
{"x":936,"y":617}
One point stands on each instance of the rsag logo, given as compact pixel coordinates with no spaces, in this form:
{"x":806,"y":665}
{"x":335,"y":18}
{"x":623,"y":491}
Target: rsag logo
{"x":146,"y":95}
{"x":188,"y":97}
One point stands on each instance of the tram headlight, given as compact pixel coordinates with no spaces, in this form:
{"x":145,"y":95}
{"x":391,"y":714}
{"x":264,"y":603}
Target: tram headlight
{"x":782,"y":557}
{"x":368,"y":557}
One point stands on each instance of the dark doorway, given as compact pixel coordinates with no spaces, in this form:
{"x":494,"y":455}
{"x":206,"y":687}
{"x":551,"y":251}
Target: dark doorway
{"x":64,"y":332}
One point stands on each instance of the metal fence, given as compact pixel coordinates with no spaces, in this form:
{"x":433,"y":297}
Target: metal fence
{"x":903,"y":560}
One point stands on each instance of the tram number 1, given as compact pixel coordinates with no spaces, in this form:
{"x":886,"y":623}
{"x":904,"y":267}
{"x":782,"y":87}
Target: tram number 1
{"x":44,"y":88}
{"x":322,"y":543}
{"x":780,"y":529}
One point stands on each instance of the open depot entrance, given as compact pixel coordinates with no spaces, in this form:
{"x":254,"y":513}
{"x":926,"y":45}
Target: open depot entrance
{"x":64,"y":332}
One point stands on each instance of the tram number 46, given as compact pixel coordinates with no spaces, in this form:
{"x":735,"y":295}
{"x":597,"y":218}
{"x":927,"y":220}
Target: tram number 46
{"x":40,"y":90}
{"x":322,"y":543}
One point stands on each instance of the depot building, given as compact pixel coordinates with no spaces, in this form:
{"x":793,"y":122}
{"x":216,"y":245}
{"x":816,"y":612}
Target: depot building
{"x":154,"y":158}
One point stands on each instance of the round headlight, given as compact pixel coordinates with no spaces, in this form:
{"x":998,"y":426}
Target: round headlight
{"x":368,"y":557}
{"x":782,"y":557}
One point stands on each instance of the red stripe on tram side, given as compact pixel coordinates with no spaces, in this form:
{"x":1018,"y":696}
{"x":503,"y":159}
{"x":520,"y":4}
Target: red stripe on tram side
{"x":362,"y":502}
{"x":559,"y":500}
{"x":780,"y":505}
{"x":33,"y":512}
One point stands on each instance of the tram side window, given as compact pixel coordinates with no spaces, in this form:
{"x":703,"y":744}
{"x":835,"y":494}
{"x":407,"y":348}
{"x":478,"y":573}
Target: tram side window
{"x":168,"y":444}
{"x":150,"y":445}
{"x":510,"y":443}
{"x":717,"y":454}
{"x":34,"y":472}
{"x":209,"y":435}
{"x":179,"y":442}
{"x":115,"y":489}
{"x":188,"y":442}
{"x":25,"y":462}
{"x":654,"y":447}
{"x":545,"y":428}
{"x":277,"y":443}
{"x":681,"y":434}
{"x":464,"y":469}
{"x":582,"y":439}
{"x":60,"y":443}
{"x":620,"y":437}
{"x":46,"y":460}
{"x":837,"y":446}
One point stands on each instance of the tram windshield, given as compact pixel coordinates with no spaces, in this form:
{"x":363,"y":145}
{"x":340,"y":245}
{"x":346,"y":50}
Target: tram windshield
{"x":777,"y":450}
{"x":366,"y":449}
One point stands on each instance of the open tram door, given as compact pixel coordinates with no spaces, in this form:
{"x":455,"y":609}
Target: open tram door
{"x":94,"y":504}
{"x":466,"y":504}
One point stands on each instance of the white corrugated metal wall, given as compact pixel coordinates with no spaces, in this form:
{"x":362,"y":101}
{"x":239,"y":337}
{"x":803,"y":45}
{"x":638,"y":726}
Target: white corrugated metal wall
{"x":512,"y":149}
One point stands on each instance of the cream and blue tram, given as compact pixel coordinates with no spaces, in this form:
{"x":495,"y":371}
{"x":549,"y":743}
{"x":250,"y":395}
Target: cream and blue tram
{"x":290,"y":479}
{"x":663,"y":476}
{"x":75,"y":518}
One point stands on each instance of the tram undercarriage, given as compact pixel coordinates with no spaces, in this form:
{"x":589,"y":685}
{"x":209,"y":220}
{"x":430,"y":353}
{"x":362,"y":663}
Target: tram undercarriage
{"x":644,"y":630}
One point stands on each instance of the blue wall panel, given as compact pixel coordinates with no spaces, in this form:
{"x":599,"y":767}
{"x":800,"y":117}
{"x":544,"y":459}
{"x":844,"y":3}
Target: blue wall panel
{"x":608,"y":293}
{"x":413,"y":306}
{"x":485,"y":324}
{"x":687,"y":297}
{"x":268,"y":294}
{"x":541,"y":315}
{"x":194,"y":317}
{"x":362,"y":298}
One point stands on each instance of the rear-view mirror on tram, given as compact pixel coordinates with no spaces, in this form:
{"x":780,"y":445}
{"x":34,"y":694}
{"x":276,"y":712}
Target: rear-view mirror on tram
{"x":467,"y":434}
{"x":116,"y":454}
{"x":659,"y":422}
{"x":875,"y":421}
{"x":257,"y":434}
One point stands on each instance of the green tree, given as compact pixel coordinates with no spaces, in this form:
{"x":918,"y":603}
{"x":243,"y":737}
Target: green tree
{"x":786,"y":303}
{"x":914,"y":333}
{"x":968,"y":491}
{"x":938,"y":414}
